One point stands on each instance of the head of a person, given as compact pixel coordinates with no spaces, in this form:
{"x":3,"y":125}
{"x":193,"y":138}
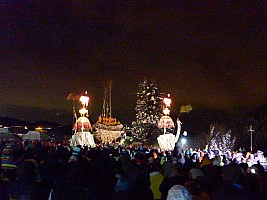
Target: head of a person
{"x":27,"y":171}
{"x":257,"y":169}
{"x":156,"y":166}
{"x":179,"y":192}
{"x":232,"y":173}
{"x":244,"y":166}
{"x":194,"y":173}
{"x":75,"y":154}
{"x":193,"y":187}
{"x":179,"y":168}
{"x":167,"y":169}
{"x":139,"y":158}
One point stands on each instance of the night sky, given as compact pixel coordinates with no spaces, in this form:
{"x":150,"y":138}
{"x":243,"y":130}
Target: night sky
{"x":208,"y":54}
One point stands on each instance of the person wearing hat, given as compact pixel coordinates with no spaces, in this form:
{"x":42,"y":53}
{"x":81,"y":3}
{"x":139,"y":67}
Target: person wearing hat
{"x":75,"y":154}
{"x":179,"y":192}
{"x":232,"y":186}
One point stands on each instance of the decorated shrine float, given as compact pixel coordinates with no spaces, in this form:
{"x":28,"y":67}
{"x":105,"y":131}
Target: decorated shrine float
{"x":82,"y":127}
{"x":108,"y":129}
{"x":167,"y":140}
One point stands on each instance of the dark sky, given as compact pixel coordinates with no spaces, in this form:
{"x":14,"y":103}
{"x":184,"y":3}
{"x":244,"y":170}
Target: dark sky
{"x":207,"y":53}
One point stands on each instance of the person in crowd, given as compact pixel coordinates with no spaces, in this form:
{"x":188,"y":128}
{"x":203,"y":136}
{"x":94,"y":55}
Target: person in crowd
{"x":205,"y":161}
{"x":194,"y":173}
{"x":179,"y":192}
{"x":123,"y":168}
{"x":54,"y":170}
{"x":233,"y":186}
{"x":175,"y":176}
{"x":156,"y":178}
{"x":217,"y":161}
{"x":194,"y":189}
{"x":29,"y":183}
{"x":255,"y":181}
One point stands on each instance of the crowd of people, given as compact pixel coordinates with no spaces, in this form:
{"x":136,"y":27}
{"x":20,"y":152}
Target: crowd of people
{"x":50,"y":171}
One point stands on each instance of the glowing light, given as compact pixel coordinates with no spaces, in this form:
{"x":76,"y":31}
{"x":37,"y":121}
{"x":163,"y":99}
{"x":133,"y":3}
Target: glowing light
{"x":167,"y":101}
{"x":84,"y":100}
{"x":185,"y":133}
{"x":83,"y":111}
{"x":166,"y":111}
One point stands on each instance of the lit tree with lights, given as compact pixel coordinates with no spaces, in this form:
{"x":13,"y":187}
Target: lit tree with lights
{"x":148,"y":109}
{"x":220,"y":139}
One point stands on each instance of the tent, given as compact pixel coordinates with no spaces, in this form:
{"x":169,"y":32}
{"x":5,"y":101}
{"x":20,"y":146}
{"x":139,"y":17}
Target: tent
{"x":32,"y":135}
{"x":3,"y":130}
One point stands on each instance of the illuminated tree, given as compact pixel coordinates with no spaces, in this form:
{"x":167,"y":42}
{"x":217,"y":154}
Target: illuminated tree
{"x":220,"y":139}
{"x":148,"y":109}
